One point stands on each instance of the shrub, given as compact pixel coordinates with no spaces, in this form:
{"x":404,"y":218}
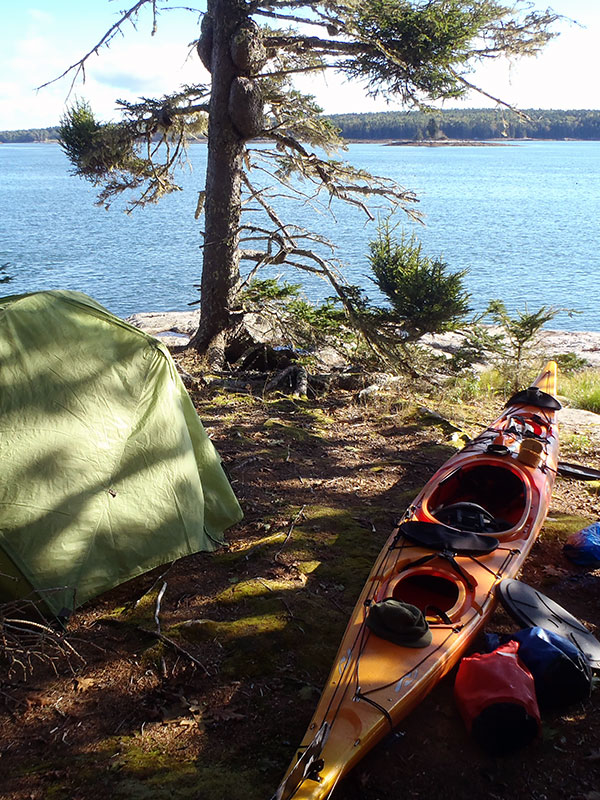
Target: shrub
{"x":424,"y":296}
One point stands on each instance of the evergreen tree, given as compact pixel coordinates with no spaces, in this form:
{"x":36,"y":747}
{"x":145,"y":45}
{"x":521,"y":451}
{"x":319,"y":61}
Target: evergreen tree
{"x":416,"y":51}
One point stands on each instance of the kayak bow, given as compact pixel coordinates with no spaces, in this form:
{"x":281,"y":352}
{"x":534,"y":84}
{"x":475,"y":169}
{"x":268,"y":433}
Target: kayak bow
{"x":472,"y":525}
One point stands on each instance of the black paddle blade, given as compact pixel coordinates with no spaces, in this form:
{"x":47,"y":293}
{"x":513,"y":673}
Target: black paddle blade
{"x":577,"y":472}
{"x":531,"y":608}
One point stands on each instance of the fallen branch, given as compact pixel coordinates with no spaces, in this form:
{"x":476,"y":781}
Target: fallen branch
{"x":289,"y":532}
{"x":165,"y":639}
{"x":25,"y":642}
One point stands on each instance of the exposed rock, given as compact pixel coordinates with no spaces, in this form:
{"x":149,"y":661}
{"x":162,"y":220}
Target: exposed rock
{"x":156,"y":322}
{"x":585,"y":344}
{"x":578,"y":421}
{"x":173,"y":328}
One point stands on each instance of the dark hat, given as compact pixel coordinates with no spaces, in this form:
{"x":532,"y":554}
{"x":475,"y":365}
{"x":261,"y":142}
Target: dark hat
{"x":400,"y":623}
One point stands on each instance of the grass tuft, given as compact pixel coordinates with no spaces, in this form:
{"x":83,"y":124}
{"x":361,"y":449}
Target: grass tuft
{"x":582,"y":389}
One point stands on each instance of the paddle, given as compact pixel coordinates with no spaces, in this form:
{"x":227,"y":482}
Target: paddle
{"x":529,"y":607}
{"x":577,"y":472}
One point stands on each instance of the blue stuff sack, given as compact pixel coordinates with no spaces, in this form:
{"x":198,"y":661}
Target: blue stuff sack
{"x":561,"y":672}
{"x":583,"y":547}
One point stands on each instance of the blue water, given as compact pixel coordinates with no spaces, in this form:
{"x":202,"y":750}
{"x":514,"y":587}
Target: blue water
{"x":523,"y":219}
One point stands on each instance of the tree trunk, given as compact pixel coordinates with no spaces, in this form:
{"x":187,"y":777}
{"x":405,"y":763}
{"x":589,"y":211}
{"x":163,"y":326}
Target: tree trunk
{"x":220,"y":269}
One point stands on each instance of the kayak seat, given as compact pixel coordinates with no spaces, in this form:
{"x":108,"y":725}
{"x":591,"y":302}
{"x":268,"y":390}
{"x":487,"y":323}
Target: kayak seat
{"x":471,"y":517}
{"x":441,"y":538}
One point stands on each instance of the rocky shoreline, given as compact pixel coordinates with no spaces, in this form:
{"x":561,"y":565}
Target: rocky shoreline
{"x":176,"y":328}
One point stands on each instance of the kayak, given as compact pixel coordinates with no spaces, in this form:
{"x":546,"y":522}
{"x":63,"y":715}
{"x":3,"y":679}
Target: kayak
{"x":433,"y":586}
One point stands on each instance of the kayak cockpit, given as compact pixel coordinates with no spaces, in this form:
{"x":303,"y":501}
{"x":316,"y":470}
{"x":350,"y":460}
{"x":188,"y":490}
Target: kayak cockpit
{"x":481,"y":498}
{"x":430,"y":591}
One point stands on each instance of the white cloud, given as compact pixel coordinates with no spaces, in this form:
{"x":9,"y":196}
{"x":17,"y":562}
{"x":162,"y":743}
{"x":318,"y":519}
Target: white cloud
{"x":132,"y":66}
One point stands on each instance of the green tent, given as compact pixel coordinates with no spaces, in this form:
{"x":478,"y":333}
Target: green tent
{"x":106,"y":469}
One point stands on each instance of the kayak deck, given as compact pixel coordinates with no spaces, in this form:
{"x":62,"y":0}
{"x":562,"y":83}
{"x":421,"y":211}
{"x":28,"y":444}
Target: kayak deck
{"x":471,"y":526}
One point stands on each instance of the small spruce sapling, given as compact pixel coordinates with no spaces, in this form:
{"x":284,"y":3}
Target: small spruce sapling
{"x":512,"y":345}
{"x":424,"y":296}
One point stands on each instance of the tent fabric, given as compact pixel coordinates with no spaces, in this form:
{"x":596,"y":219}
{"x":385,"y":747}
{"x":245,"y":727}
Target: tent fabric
{"x":107,"y":471}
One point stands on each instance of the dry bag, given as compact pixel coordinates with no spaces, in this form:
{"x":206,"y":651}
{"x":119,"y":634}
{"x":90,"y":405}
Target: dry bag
{"x":583,"y":547}
{"x":561,"y":672}
{"x":495,"y":694}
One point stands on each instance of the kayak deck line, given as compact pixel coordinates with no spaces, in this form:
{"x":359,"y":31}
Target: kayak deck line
{"x":471,"y":526}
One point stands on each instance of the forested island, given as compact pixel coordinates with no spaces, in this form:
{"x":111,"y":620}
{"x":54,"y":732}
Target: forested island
{"x":470,"y":123}
{"x":29,"y":135}
{"x":459,"y":124}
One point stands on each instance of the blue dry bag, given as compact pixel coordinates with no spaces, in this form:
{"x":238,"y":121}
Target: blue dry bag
{"x":561,"y":672}
{"x":583,"y":547}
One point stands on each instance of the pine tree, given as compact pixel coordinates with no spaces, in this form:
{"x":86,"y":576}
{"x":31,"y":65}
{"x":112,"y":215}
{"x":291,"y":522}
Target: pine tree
{"x":416,"y":51}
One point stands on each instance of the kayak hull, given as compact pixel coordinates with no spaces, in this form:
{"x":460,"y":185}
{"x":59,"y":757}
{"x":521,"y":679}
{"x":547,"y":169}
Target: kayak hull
{"x":375,"y":683}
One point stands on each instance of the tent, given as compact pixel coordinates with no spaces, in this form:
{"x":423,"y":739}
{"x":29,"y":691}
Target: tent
{"x":106,"y":469}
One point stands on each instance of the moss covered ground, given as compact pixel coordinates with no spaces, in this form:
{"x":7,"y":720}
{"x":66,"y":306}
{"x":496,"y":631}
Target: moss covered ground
{"x":213,"y":708}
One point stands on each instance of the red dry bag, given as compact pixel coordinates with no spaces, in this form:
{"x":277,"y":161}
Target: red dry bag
{"x":495,"y":694}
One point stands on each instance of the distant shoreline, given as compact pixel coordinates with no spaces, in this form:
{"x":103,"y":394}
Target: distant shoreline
{"x":387,"y":142}
{"x":453,"y":143}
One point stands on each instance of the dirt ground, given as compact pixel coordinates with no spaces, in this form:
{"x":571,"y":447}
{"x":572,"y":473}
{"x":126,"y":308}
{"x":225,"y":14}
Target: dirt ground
{"x":214,"y":709}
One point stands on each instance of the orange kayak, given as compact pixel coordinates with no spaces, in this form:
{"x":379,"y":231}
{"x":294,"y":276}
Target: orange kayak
{"x":472,"y":525}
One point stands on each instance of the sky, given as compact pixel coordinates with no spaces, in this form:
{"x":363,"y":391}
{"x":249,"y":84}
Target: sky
{"x":41,"y":38}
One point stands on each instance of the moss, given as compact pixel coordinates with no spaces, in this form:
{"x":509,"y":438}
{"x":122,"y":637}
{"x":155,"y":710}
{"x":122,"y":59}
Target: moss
{"x":559,"y":526}
{"x":223,"y":399}
{"x":252,"y":588}
{"x":317,"y":415}
{"x":150,"y":774}
{"x":84,"y":766}
{"x":437,"y":452}
{"x":307,"y":567}
{"x":273,"y":622}
{"x":349,"y":578}
{"x":151,"y":657}
{"x":231,"y":557}
{"x":228,"y":630}
{"x":138,"y":613}
{"x":193,"y":783}
{"x":126,"y":768}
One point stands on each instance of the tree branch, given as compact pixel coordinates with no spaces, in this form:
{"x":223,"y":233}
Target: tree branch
{"x":497,"y":100}
{"x":79,"y":66}
{"x":315,"y":43}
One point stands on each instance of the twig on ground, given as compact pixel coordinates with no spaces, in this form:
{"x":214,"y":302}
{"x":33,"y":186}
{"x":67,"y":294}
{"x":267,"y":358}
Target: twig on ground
{"x":287,"y":608}
{"x":160,"y":578}
{"x":289,"y":532}
{"x":161,"y":637}
{"x":244,"y":463}
{"x":159,"y":598}
{"x":25,"y":642}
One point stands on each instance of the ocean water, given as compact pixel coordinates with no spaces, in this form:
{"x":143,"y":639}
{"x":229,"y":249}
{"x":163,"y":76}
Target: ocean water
{"x":522,"y":218}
